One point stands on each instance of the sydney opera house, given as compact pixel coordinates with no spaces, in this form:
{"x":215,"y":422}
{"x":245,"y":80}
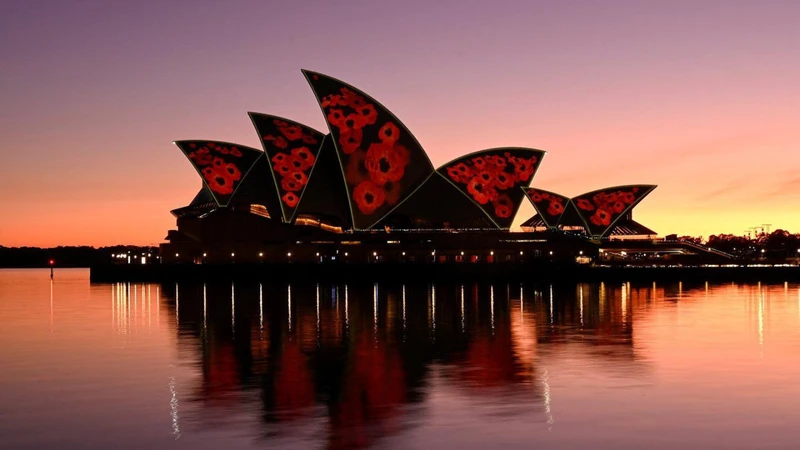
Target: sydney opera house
{"x":366,"y":191}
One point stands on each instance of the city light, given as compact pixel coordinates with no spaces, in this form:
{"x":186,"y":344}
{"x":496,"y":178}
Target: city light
{"x":260,"y":254}
{"x":289,"y":254}
{"x":233,"y":254}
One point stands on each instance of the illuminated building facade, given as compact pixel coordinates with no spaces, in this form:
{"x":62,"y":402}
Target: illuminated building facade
{"x":367,"y":192}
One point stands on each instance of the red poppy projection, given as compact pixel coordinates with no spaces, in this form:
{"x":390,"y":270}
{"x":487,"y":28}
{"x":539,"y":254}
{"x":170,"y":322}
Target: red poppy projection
{"x":601,"y":209}
{"x":549,"y":205}
{"x":221,"y":165}
{"x":492,"y":179}
{"x":292,"y":150}
{"x":382,"y":161}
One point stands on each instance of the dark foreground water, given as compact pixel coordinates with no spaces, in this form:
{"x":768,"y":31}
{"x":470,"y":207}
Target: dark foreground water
{"x":221,"y":366}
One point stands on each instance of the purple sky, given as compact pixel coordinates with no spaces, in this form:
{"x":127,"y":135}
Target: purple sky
{"x":701,"y":98}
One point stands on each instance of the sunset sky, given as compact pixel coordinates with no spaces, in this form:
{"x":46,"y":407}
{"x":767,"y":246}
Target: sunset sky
{"x":701,"y":98}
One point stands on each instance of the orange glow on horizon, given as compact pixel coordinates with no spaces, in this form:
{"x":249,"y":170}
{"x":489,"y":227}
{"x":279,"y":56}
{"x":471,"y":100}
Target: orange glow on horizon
{"x":699,"y":100}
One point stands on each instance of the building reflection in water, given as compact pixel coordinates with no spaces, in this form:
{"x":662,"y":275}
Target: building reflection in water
{"x":358,"y":361}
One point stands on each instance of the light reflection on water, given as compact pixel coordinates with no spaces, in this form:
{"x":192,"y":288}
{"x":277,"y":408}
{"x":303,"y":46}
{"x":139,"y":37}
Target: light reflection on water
{"x":206,"y":365}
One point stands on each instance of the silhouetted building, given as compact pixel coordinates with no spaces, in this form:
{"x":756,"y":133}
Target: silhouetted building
{"x":368,"y":191}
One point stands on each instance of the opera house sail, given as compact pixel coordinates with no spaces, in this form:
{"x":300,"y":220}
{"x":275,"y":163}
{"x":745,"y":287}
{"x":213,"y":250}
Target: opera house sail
{"x":366,"y":190}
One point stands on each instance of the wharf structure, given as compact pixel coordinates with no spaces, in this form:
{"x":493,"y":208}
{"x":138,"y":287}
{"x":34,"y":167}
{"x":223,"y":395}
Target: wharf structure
{"x":366,"y":192}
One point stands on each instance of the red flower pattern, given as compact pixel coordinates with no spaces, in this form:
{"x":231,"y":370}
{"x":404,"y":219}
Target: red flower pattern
{"x":291,"y":199}
{"x":585,"y":205}
{"x":601,"y":217}
{"x":202,"y":156}
{"x":503,"y":206}
{"x":486,"y":178}
{"x":374,"y":160}
{"x":556,"y":208}
{"x":368,"y":114}
{"x":482,"y":193}
{"x":504,"y":180}
{"x":291,"y":184}
{"x":350,"y":140}
{"x":389,"y":133}
{"x":368,"y":197}
{"x":292,"y":132}
{"x":523,"y":167}
{"x":602,"y":208}
{"x":278,"y":141}
{"x":293,"y":150}
{"x":336,"y":117}
{"x":550,"y":206}
{"x":217,"y":165}
{"x":460,"y":173}
{"x":292,"y":167}
{"x":386,"y":163}
{"x":304,"y":155}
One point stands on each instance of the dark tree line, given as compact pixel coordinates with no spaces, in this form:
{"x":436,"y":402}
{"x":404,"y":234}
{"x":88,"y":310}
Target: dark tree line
{"x":778,"y":244}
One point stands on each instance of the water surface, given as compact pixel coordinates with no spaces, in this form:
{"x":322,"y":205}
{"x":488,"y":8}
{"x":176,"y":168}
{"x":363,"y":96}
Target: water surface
{"x":621,"y":365}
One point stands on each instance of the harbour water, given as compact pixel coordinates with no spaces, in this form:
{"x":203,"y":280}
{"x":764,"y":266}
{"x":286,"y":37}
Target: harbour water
{"x":304,"y":365}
